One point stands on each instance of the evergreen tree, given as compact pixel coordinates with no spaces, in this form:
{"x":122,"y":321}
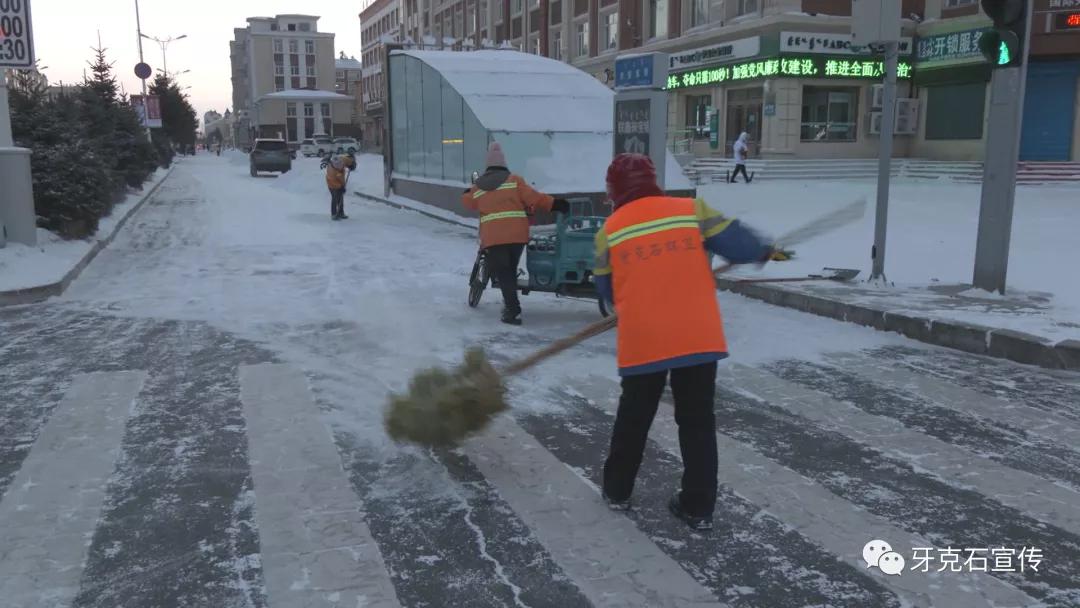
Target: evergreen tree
{"x":178,"y":117}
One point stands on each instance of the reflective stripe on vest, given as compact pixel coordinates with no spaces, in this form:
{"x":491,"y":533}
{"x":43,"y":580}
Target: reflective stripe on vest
{"x":504,"y":186}
{"x":502,"y":215}
{"x":652,"y":227}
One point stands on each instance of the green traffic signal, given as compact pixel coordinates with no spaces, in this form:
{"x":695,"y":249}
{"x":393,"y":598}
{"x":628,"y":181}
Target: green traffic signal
{"x":1003,"y":54}
{"x":1000,"y":47}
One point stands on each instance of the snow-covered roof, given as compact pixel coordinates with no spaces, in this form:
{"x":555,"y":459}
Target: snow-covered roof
{"x":517,"y":92}
{"x":305,"y":95}
{"x":347,"y":64}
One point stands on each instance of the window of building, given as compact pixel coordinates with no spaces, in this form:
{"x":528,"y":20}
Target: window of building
{"x":279,"y":45}
{"x":279,"y":83}
{"x":327,"y":119}
{"x":290,"y":109}
{"x":310,"y":70}
{"x":273,"y":27}
{"x":581,"y":47}
{"x":697,"y":119}
{"x":745,"y":7}
{"x":294,"y":46}
{"x":309,"y":109}
{"x":309,"y":47}
{"x":555,"y":10}
{"x":515,"y":7}
{"x":829,"y":113}
{"x":658,"y":17}
{"x":279,"y":70}
{"x":958,"y":4}
{"x":338,"y":75}
{"x":609,"y":31}
{"x":699,"y":12}
{"x":556,"y":45}
{"x":955,"y":111}
{"x":290,"y":121}
{"x":295,"y":84}
{"x":294,"y":70}
{"x":292,"y":27}
{"x":305,"y":27}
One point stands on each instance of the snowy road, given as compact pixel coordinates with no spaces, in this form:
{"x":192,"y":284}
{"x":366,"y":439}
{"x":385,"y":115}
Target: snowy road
{"x":197,"y":422}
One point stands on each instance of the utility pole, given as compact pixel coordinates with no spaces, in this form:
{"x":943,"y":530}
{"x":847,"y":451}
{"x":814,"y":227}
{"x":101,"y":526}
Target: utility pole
{"x":885,"y":149}
{"x":1006,"y":47}
{"x":139,"y":37}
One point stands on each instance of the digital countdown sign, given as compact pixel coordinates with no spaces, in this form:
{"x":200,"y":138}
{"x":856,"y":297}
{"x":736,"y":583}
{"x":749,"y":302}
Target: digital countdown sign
{"x":805,"y":66}
{"x":1067,"y":21}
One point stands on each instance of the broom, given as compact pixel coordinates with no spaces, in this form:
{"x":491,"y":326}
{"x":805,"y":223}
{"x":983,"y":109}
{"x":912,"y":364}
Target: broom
{"x":441,"y":408}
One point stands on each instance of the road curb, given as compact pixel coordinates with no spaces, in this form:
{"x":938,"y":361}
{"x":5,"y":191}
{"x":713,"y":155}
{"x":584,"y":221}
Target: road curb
{"x":391,"y":203}
{"x":978,"y":339}
{"x":31,"y":295}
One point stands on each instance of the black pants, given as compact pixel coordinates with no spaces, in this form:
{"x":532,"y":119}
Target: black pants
{"x":502,"y":261}
{"x":693,"y":388}
{"x":337,"y":202}
{"x":739,"y":167}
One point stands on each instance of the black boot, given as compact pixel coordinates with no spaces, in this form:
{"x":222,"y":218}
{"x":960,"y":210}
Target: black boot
{"x":511,"y":317}
{"x":701,"y":524}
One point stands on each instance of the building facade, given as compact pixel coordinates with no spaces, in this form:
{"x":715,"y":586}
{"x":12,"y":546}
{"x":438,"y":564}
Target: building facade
{"x":284,"y":80}
{"x":380,"y":22}
{"x":780,"y":70}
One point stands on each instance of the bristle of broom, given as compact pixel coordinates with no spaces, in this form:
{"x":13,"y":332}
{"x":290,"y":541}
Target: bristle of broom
{"x":442,"y":408}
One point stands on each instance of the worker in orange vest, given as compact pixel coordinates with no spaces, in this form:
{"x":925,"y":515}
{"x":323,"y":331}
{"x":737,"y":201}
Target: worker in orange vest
{"x":505,"y":201}
{"x":651,"y":264}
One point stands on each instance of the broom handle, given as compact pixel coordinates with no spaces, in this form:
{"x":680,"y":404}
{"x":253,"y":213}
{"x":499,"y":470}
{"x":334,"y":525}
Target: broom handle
{"x":559,"y":346}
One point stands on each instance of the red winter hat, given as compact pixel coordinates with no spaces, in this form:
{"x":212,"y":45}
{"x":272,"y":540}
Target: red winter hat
{"x":630,"y":177}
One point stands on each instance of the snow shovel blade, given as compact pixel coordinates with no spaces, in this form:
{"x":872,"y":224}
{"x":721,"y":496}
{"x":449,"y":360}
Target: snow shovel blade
{"x":831,"y":274}
{"x":839,"y":274}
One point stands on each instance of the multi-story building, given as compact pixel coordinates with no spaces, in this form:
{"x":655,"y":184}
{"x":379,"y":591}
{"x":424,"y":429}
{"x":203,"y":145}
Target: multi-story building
{"x":781,"y":70}
{"x":284,"y":79}
{"x":347,"y":77}
{"x":380,"y":21}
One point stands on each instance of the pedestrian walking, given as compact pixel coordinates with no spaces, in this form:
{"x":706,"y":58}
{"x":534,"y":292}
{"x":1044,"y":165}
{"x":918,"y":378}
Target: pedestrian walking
{"x":504,"y":201}
{"x":740,"y":149}
{"x":336,"y":177}
{"x":651,"y":265}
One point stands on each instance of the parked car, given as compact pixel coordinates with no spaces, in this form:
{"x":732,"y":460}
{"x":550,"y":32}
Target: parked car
{"x":346,"y":144}
{"x":324,"y":146}
{"x":270,"y":155}
{"x":309,"y":148}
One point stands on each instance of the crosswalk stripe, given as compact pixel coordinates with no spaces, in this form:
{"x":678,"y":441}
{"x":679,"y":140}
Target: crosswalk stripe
{"x":316,"y":548}
{"x":50,"y":510}
{"x":1040,"y":498}
{"x":832,"y":523}
{"x":604,"y":553}
{"x":958,"y":398}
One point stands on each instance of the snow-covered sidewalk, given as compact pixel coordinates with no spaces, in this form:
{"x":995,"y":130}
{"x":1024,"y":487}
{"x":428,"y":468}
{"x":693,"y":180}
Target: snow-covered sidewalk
{"x":49,"y":262}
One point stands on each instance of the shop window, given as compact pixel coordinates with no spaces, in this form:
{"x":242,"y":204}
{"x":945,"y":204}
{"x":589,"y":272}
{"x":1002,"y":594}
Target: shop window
{"x":658,"y":18}
{"x":829,"y":114}
{"x":699,"y":12}
{"x":609,"y":33}
{"x":582,"y":45}
{"x":697,"y":118}
{"x":746,"y":7}
{"x":955,"y":111}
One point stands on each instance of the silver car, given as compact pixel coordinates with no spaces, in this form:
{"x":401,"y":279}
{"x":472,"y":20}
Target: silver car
{"x":270,"y":155}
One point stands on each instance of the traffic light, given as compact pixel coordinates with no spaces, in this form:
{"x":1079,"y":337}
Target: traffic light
{"x":1004,"y":45}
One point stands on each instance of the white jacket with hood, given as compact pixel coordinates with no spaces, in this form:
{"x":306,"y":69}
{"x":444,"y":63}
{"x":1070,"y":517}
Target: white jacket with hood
{"x":740,"y":148}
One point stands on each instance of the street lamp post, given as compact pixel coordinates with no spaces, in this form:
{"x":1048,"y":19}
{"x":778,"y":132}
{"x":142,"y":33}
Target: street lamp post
{"x":164,"y":45}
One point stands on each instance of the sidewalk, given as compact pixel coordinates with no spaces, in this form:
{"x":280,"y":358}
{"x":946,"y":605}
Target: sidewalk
{"x":33,"y":274}
{"x":1025,"y":327}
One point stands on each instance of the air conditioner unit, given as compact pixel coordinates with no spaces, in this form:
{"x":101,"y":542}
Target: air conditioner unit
{"x":877,"y":96}
{"x":907,"y":116}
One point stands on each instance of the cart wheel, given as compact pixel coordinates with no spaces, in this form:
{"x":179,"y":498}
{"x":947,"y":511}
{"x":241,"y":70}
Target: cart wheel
{"x":477,"y":281}
{"x":604,"y":312}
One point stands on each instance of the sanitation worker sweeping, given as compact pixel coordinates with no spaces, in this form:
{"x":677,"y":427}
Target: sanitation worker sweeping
{"x":651,"y":265}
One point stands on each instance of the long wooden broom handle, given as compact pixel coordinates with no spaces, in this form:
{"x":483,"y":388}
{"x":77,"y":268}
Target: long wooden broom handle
{"x":558,"y":346}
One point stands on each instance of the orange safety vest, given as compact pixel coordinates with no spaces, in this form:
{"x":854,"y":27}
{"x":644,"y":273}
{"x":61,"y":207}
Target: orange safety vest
{"x":665,"y":293}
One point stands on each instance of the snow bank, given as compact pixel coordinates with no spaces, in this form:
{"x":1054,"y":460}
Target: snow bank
{"x":931,"y":240}
{"x":23,"y":267}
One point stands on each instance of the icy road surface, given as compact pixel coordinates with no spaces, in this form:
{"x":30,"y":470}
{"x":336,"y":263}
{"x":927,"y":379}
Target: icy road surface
{"x":197,"y":423}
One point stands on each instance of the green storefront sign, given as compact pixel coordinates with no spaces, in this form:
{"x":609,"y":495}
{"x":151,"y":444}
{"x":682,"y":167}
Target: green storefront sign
{"x":787,"y":67}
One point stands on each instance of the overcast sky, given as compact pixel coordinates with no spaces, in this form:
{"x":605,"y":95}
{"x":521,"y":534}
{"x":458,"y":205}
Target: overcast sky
{"x":65,"y":31}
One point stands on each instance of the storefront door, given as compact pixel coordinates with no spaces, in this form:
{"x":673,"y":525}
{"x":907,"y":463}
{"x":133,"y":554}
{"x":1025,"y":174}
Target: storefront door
{"x":744,"y":114}
{"x":1049,"y":111}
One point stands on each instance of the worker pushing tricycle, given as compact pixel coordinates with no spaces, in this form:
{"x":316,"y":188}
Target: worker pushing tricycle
{"x":558,"y":261}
